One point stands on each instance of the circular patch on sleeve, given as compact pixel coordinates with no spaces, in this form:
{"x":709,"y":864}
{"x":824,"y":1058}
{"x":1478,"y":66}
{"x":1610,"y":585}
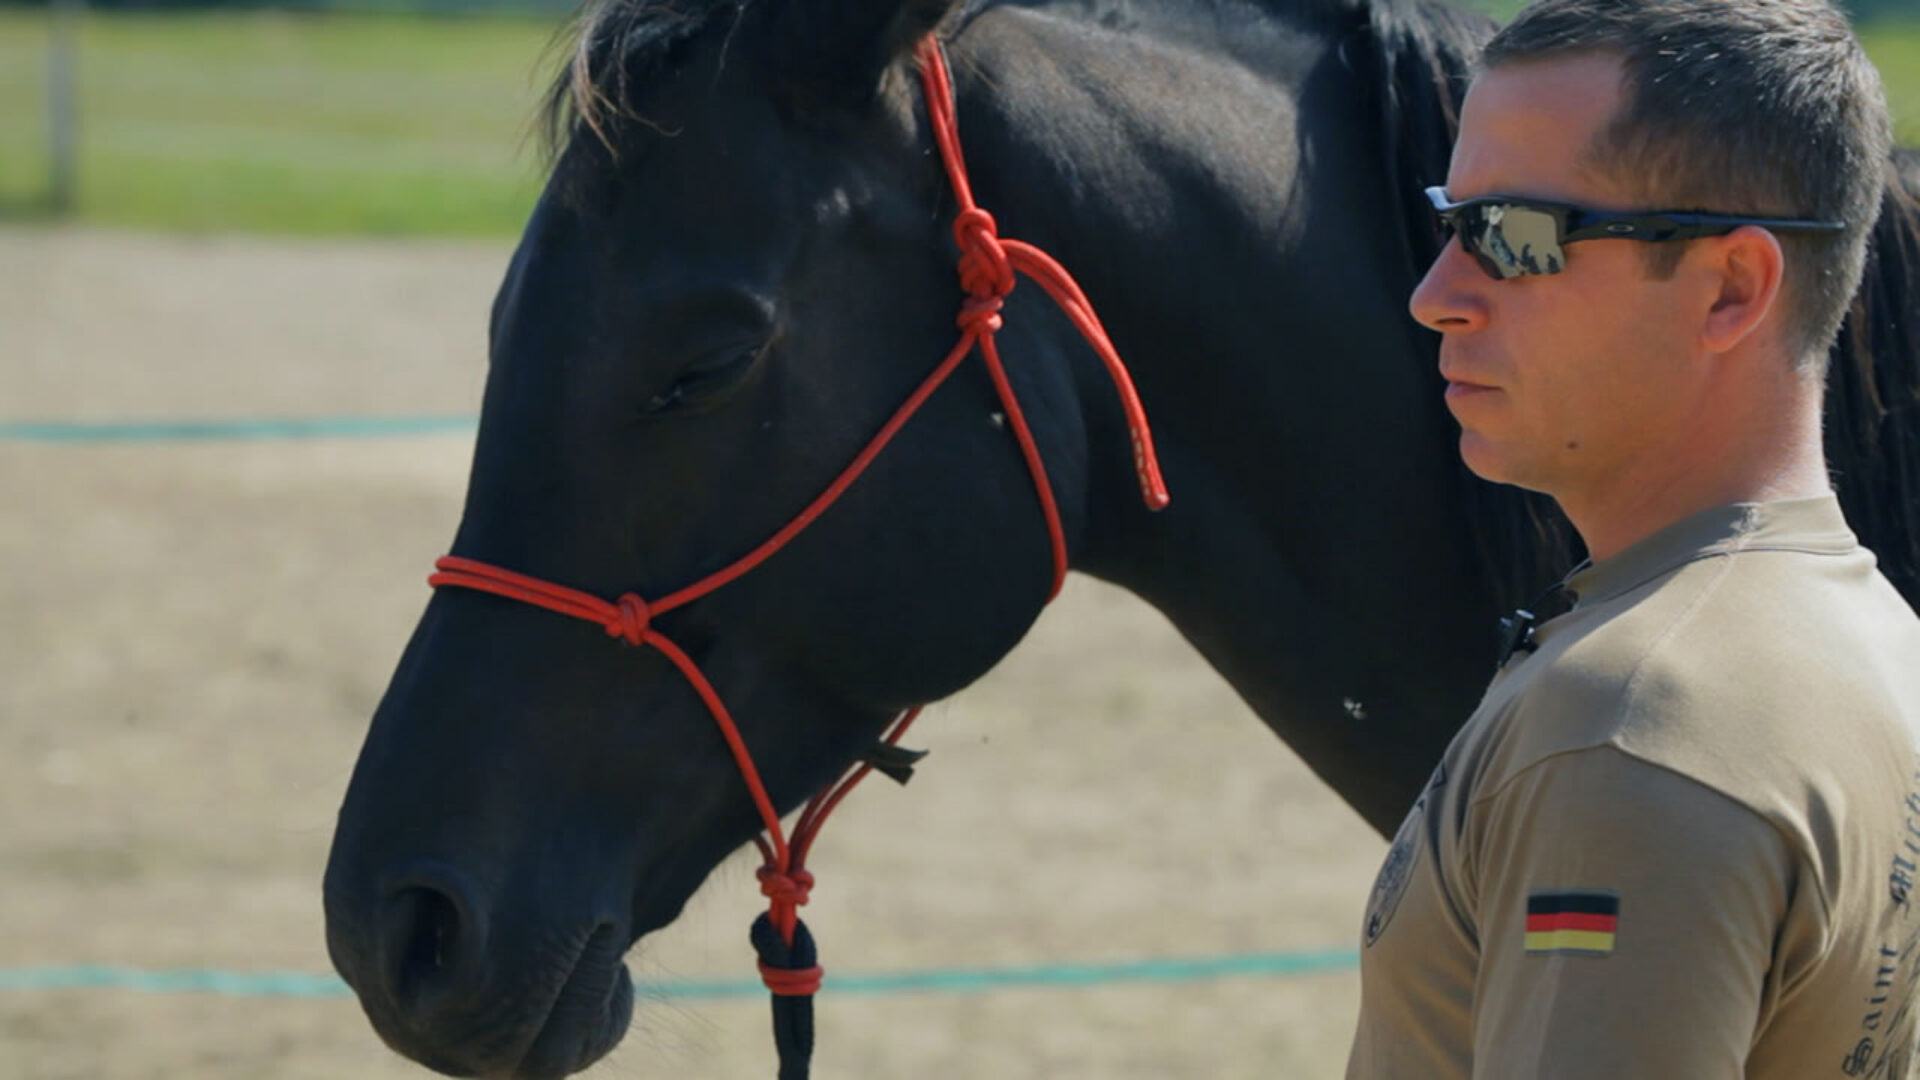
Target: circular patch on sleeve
{"x":1397,"y":870}
{"x":1392,"y":880}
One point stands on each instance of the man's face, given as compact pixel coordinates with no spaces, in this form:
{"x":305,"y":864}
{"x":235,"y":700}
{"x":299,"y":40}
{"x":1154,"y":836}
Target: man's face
{"x":1565,"y":381}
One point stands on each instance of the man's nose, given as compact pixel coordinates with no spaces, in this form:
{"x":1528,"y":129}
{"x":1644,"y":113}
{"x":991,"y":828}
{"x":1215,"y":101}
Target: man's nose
{"x":1452,"y":297}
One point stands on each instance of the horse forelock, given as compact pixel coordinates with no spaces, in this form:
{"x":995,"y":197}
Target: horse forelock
{"x":616,"y":44}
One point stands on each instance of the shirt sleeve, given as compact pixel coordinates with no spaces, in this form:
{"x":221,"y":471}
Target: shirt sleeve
{"x":1627,"y":917}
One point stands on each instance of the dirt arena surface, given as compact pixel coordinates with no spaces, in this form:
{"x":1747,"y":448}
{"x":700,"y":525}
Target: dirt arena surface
{"x":192,"y":636}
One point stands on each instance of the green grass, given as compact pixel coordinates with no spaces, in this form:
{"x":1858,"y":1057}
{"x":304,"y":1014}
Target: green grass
{"x":348,"y":123}
{"x":1895,"y":48}
{"x":267,"y":121}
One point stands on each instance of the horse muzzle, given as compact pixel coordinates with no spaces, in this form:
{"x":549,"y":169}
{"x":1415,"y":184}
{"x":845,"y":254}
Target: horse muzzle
{"x":454,"y":980}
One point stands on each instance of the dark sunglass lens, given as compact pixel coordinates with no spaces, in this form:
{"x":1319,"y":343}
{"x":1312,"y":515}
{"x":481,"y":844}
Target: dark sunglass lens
{"x":1507,"y":240}
{"x":1522,"y":240}
{"x":1470,"y":223}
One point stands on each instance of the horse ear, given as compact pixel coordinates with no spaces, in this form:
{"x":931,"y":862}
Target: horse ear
{"x":834,"y":52}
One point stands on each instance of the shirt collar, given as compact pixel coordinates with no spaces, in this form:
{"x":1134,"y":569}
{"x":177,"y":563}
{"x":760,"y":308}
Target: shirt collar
{"x":1813,"y":525}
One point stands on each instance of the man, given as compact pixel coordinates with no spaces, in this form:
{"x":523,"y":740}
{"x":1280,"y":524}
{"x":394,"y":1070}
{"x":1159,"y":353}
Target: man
{"x":1680,"y":835}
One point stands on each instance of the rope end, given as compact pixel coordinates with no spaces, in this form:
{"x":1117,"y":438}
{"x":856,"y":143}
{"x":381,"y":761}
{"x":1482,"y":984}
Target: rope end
{"x":1146,"y":465}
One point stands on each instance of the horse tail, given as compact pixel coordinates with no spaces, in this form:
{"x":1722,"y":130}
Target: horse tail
{"x":1873,"y":390}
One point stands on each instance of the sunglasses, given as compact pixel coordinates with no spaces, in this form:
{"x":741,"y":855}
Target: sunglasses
{"x":1513,"y":238}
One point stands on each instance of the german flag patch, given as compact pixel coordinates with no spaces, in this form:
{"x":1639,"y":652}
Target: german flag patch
{"x":1578,"y":922}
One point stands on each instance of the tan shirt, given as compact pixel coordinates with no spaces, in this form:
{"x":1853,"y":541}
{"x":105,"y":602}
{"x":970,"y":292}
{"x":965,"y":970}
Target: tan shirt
{"x":1680,"y":839}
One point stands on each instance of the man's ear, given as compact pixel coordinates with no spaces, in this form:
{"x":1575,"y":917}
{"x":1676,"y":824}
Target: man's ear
{"x":1749,"y":267}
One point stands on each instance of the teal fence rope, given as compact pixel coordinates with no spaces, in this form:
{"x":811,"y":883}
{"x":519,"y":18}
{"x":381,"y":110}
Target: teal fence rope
{"x":303,"y":985}
{"x":216,"y":430}
{"x":272,"y":984}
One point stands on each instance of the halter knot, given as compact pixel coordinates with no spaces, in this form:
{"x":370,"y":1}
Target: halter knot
{"x":980,"y":314}
{"x":790,"y":968}
{"x":788,"y":889}
{"x":984,"y":268}
{"x":629,"y":619}
{"x":792,"y":982}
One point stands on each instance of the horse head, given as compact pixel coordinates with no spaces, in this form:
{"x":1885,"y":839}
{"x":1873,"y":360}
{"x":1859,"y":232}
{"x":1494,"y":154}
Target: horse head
{"x":742,"y":264}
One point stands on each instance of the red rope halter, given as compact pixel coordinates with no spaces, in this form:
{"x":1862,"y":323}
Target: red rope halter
{"x":988,"y":265}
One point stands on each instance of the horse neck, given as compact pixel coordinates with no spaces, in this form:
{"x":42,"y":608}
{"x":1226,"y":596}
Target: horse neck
{"x":1300,"y":429}
{"x":1073,"y":149}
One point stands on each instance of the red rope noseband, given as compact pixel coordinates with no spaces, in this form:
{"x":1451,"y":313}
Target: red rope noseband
{"x":988,"y":269}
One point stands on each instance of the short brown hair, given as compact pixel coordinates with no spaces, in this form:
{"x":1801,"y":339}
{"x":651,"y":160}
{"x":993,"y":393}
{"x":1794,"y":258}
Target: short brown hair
{"x":1755,"y":107}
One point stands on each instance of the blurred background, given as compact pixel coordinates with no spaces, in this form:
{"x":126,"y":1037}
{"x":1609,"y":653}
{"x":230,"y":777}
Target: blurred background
{"x":363,"y":117}
{"x":246,"y":253}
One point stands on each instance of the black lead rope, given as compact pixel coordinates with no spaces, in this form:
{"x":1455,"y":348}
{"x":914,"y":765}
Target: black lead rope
{"x":792,"y":1013}
{"x":792,"y":972}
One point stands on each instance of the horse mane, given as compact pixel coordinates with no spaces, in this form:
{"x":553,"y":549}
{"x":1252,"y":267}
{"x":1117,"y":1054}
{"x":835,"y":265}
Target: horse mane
{"x":1873,"y":388}
{"x":1418,"y":57}
{"x":616,"y":43}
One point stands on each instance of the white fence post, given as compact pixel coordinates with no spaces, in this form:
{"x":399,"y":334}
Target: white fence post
{"x":63,"y":63}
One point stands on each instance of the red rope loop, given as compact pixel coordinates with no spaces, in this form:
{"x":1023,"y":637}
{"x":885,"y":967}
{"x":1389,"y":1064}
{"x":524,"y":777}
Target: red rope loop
{"x":629,"y":619}
{"x":786,"y":889}
{"x":792,"y":982}
{"x":985,"y":269}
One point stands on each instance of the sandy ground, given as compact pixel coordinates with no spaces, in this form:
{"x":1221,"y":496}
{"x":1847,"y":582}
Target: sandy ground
{"x":193,"y":635}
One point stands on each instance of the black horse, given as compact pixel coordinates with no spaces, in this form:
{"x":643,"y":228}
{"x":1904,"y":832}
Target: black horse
{"x":741,"y":265}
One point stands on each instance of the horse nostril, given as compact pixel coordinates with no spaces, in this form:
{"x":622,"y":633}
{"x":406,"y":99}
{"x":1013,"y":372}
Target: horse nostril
{"x":433,"y":934}
{"x":429,"y":926}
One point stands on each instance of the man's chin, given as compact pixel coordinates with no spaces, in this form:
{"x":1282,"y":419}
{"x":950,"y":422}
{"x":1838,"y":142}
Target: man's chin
{"x":1481,"y":458}
{"x":1496,"y":464}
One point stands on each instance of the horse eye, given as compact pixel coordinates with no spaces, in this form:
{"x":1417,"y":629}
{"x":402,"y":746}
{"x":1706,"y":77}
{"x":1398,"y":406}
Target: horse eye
{"x":706,"y":382}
